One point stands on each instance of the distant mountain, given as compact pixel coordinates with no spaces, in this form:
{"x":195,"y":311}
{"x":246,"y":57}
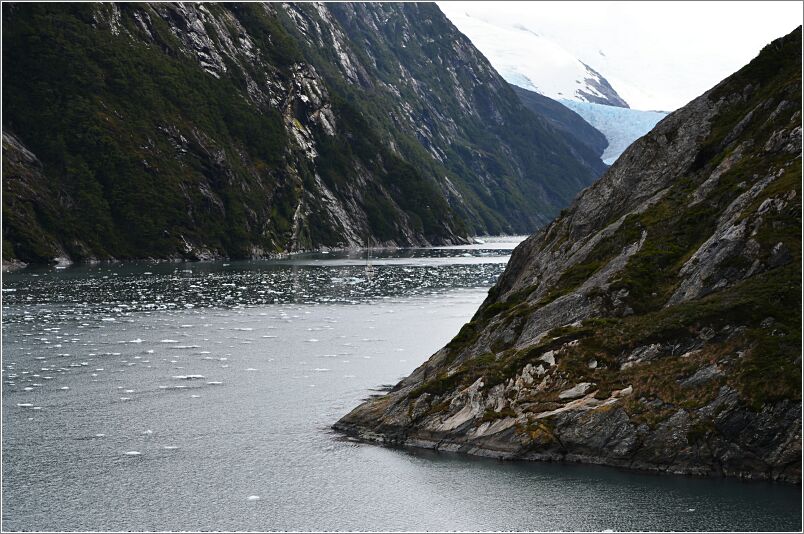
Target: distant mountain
{"x":563,"y":118}
{"x":534,"y":62}
{"x":206,"y":130}
{"x":655,"y":324}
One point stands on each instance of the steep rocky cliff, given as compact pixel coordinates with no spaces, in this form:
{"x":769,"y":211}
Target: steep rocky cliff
{"x":656,"y":324}
{"x":242,"y":130}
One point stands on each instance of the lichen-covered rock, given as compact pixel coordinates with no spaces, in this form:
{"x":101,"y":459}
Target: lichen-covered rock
{"x":656,"y":324}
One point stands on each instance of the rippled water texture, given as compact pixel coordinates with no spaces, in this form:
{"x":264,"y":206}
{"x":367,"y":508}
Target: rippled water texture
{"x":199,"y":397}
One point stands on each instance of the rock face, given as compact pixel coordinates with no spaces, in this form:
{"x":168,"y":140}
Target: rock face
{"x":656,"y":324}
{"x":211,"y":130}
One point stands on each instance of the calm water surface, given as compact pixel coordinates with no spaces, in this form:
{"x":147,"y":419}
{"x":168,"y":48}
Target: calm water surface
{"x":199,"y":397}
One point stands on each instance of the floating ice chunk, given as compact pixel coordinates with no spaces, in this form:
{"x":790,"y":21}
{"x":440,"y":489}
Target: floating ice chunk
{"x":321,"y":369}
{"x":250,"y":369}
{"x":133,"y":453}
{"x":24,"y":404}
{"x":195,"y":396}
{"x":312,"y":340}
{"x":214,"y":383}
{"x":168,"y":341}
{"x":149,"y":431}
{"x":170,"y":447}
{"x":189,"y":377}
{"x":125,"y":398}
{"x":253,"y":497}
{"x":138,"y":340}
{"x":65,"y":388}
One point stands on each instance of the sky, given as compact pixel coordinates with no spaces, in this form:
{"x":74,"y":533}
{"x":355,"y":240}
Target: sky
{"x":656,"y":55}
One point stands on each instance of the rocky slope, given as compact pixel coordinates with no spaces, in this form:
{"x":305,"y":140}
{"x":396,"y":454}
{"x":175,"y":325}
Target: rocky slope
{"x":242,"y":130}
{"x":656,"y":324}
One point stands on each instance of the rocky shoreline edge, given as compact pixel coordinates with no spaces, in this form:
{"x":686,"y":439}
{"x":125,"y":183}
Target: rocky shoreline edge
{"x":445,"y":443}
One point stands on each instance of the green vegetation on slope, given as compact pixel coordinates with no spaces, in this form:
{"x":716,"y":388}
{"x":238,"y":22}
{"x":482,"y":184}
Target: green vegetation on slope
{"x":90,"y":105}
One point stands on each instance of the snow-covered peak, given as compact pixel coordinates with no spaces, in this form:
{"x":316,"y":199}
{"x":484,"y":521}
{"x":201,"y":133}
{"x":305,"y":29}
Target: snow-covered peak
{"x":533,"y":61}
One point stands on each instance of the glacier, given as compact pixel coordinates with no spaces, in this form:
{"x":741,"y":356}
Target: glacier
{"x":621,"y":126}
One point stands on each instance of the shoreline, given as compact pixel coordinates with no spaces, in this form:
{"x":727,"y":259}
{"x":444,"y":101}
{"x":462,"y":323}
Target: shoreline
{"x":63,"y":262}
{"x":465,"y":449}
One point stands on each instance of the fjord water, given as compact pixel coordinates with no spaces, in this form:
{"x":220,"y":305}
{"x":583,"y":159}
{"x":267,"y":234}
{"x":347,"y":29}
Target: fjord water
{"x":200,"y":396}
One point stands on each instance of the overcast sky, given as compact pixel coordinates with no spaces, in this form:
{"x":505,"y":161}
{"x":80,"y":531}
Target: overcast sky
{"x":657,"y":55}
